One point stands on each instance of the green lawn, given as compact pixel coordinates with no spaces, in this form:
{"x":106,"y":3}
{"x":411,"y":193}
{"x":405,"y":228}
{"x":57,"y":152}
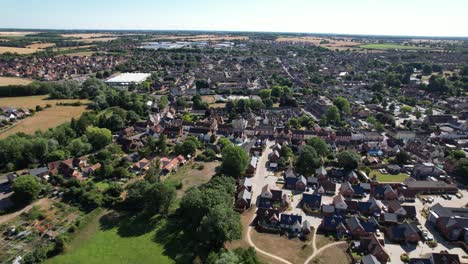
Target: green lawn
{"x":385,"y":46}
{"x":114,"y":240}
{"x":388,"y":177}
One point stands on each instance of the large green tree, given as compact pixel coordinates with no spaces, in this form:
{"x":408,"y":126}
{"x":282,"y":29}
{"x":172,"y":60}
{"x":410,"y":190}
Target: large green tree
{"x":348,"y":159}
{"x":234,"y":160}
{"x":308,"y":161}
{"x":98,"y":137}
{"x":319,"y":145}
{"x":25,"y":189}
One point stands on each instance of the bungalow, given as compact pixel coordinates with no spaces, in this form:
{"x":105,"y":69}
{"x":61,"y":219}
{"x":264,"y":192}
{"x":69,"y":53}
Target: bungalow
{"x":39,"y":172}
{"x":168,"y":165}
{"x":141,"y":165}
{"x":291,"y":223}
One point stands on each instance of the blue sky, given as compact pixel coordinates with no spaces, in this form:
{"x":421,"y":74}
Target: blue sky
{"x":389,"y":17}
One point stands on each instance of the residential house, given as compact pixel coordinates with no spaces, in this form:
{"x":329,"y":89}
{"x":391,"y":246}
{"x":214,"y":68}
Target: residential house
{"x":291,"y":223}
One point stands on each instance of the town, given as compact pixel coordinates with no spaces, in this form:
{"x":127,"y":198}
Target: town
{"x":270,"y":148}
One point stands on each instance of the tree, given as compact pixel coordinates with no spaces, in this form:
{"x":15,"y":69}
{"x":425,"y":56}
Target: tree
{"x":98,"y":137}
{"x":343,"y":105}
{"x":308,"y":161}
{"x":159,"y":197}
{"x":348,"y":160}
{"x":136,"y":192}
{"x":220,"y":225}
{"x":188,"y":147}
{"x":91,"y":199}
{"x":461,"y":169}
{"x":265,"y":94}
{"x":319,"y":145}
{"x":25,"y":189}
{"x":406,"y":109}
{"x":163,"y":102}
{"x":333,"y":114}
{"x":402,"y":157}
{"x":234,"y":160}
{"x":427,"y":69}
{"x":78,"y":148}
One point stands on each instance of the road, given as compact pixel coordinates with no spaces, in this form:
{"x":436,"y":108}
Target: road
{"x":262,"y":177}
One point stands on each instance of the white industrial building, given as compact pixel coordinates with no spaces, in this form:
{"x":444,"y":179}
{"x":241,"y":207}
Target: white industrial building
{"x":125,"y":79}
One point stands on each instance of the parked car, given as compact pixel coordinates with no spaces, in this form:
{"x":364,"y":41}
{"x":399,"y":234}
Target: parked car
{"x":459,"y":195}
{"x":430,"y":199}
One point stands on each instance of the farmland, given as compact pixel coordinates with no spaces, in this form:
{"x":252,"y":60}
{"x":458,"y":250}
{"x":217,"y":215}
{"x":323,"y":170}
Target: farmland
{"x":201,"y":37}
{"x":5,"y":81}
{"x":43,"y":120}
{"x":329,"y":43}
{"x":387,"y":46}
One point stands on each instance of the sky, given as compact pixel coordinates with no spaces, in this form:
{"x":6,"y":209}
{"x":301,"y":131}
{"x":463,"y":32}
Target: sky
{"x":373,"y":17}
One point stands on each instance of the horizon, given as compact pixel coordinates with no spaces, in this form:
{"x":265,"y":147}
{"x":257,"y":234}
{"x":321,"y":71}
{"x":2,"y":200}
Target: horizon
{"x":337,"y":17}
{"x":228,"y":31}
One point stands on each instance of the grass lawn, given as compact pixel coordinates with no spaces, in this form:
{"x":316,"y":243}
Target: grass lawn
{"x":191,"y":176}
{"x":386,"y":46}
{"x":388,"y":177}
{"x":322,"y":240}
{"x":333,"y":255}
{"x":107,"y":239}
{"x":293,"y":250}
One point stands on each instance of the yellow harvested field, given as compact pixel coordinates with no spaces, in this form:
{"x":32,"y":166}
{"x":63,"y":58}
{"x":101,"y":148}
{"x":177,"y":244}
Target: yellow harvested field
{"x":202,"y":37}
{"x":333,"y":43}
{"x":16,"y":50}
{"x":79,"y":54}
{"x":92,"y":40}
{"x":28,"y":49}
{"x":43,"y":120}
{"x":4,"y":81}
{"x":32,"y":101}
{"x":40,"y":45}
{"x":86,"y":35}
{"x":15,"y":33}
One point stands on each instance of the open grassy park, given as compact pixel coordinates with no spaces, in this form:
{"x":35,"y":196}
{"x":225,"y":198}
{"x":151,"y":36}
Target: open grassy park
{"x":108,"y":238}
{"x":381,"y":177}
{"x":388,"y":46}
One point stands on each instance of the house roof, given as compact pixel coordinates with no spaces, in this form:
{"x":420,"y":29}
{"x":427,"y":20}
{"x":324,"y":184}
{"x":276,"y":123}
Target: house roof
{"x":311,"y":199}
{"x":445,"y":258}
{"x":38,"y":171}
{"x":286,"y":219}
{"x":369,"y":259}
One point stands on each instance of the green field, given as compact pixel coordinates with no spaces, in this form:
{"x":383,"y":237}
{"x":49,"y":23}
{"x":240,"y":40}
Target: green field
{"x":390,"y":46}
{"x":388,"y":177}
{"x":113,"y":240}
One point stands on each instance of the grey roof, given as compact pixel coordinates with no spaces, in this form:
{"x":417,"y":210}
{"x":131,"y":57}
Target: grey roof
{"x":246,"y":195}
{"x":369,"y":259}
{"x":38,"y":171}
